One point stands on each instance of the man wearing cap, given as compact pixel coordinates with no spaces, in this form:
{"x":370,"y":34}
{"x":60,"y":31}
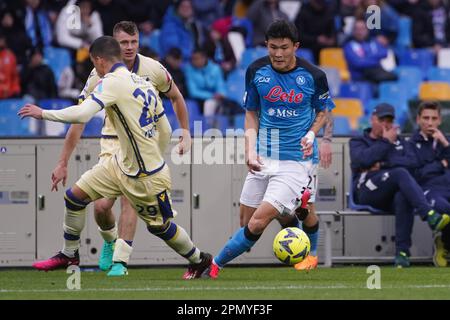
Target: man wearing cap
{"x":380,"y":161}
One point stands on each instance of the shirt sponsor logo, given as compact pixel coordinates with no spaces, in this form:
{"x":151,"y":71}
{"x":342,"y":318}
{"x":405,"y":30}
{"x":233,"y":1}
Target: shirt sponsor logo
{"x":282,"y":113}
{"x":263,"y":80}
{"x":277,"y":94}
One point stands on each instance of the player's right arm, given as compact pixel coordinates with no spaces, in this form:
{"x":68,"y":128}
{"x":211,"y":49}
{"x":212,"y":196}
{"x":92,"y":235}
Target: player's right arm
{"x":70,"y":142}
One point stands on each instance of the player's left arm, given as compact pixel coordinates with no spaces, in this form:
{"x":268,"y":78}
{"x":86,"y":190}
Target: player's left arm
{"x":325,"y":153}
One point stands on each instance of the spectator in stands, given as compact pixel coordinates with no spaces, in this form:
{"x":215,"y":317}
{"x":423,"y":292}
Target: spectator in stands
{"x":432,"y":150}
{"x":38,"y":81}
{"x":78,"y":36}
{"x":387,"y":32}
{"x":16,"y":37}
{"x":205,"y":83}
{"x":173,"y":63}
{"x":364,"y":56}
{"x":159,"y":9}
{"x":110,"y":12}
{"x":261,"y":14}
{"x":145,"y":34}
{"x":345,"y":14}
{"x":380,"y":161}
{"x":431,"y":25}
{"x":316,"y":26}
{"x":180,"y":30}
{"x":218,"y":48}
{"x":9,"y":78}
{"x":37,"y":24}
{"x":207,"y":11}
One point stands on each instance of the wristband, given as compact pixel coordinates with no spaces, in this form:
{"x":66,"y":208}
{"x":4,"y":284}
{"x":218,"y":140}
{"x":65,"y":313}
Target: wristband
{"x":310,"y":136}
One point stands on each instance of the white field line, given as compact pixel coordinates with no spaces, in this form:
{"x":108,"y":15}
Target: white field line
{"x":242,"y":288}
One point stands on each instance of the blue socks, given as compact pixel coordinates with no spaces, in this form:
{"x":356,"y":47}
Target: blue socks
{"x":313,"y":235}
{"x":240,"y":242}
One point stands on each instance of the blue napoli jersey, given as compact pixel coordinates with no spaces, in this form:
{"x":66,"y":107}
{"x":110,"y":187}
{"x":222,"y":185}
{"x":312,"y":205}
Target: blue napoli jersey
{"x":287,"y":104}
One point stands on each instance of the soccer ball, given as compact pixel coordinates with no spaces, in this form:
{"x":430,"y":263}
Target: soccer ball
{"x":291,"y":245}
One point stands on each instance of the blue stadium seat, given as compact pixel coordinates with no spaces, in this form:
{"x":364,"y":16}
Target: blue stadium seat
{"x":235,"y":85}
{"x":306,"y":54}
{"x":359,"y":90}
{"x":57,"y":59}
{"x":404,"y":36}
{"x":154,"y":41}
{"x":341,"y":126}
{"x":250,"y":55}
{"x":421,"y":58}
{"x":51,"y":128}
{"x":411,"y":76}
{"x":168,"y":108}
{"x":219,"y":122}
{"x":94,"y":127}
{"x":439,"y":74}
{"x":12,"y":125}
{"x":193,"y":108}
{"x":239,"y":121}
{"x":247,"y":25}
{"x":391,"y":90}
{"x":361,"y":207}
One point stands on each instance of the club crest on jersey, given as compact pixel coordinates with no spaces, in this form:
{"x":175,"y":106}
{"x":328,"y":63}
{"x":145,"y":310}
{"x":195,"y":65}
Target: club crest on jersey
{"x":300,"y":80}
{"x":277,"y":94}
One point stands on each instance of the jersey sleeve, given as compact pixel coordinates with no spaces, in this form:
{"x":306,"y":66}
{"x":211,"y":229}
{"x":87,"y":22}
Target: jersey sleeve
{"x":321,"y":100}
{"x":89,"y":86}
{"x":251,"y":96}
{"x":163,"y":79}
{"x":105,"y":92}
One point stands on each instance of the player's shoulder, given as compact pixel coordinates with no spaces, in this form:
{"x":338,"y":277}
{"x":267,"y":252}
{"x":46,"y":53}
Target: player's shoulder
{"x":257,"y":65}
{"x":314,"y":70}
{"x":149,"y":63}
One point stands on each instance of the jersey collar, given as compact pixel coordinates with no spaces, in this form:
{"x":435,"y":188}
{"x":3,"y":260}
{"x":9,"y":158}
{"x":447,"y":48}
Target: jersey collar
{"x":117,"y":65}
{"x":136,"y":64}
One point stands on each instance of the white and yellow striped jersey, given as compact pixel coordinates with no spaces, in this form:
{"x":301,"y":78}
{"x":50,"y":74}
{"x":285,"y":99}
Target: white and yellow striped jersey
{"x":152,"y":71}
{"x":131,"y":104}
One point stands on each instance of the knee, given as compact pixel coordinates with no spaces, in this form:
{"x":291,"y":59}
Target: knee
{"x":164,"y":231}
{"x":102,"y":207}
{"x":72,"y":202}
{"x":257,"y":226}
{"x":399,"y":173}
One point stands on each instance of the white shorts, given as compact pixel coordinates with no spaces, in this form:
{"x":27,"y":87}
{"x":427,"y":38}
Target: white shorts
{"x":313,"y":178}
{"x":279,"y":183}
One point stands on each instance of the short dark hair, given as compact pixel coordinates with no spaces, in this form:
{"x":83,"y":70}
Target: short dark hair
{"x":106,"y":47}
{"x":126,"y":26}
{"x":430,"y":105}
{"x":175,"y":53}
{"x":282,"y":29}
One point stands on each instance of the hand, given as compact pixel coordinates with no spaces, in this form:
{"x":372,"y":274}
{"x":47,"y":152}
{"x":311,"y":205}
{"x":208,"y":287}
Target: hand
{"x":439,"y":136}
{"x":444,"y":163}
{"x":254,"y":163}
{"x":184,"y":144}
{"x":383,"y":40}
{"x":390,"y":134}
{"x":325,"y":154}
{"x":30,"y":110}
{"x":307,"y":147}
{"x":218,"y":96}
{"x":375,"y":167}
{"x":58,"y":174}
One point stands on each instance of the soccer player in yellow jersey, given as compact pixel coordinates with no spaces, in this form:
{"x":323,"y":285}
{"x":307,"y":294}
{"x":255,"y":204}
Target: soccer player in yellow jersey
{"x":136,"y":170}
{"x":127,"y":34}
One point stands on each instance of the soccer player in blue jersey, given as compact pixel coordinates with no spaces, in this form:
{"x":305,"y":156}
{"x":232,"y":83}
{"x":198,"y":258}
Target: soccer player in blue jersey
{"x":286,"y":102}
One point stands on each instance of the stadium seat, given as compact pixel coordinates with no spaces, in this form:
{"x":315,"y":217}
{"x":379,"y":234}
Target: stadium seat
{"x":434,"y":90}
{"x":154,"y":41}
{"x":404,"y":36}
{"x":392,"y":90}
{"x":235,"y":85}
{"x":239,"y":121}
{"x":12,"y":125}
{"x":361,"y":207}
{"x":94,"y":127}
{"x":341,"y":126}
{"x":439,"y":74}
{"x":250,"y":55}
{"x":55,"y":128}
{"x":334,"y":57}
{"x":237,"y":43}
{"x":291,"y":8}
{"x":193,"y":108}
{"x":334,"y":80}
{"x":245,"y":24}
{"x":350,"y":108}
{"x":306,"y":54}
{"x":411,"y":76}
{"x":358,"y":90}
{"x":443,"y":58}
{"x":168,"y":108}
{"x":422,"y":58}
{"x":57,"y":59}
{"x":219,"y":122}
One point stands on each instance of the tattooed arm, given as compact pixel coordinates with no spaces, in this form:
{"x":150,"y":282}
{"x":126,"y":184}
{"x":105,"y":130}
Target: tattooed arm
{"x":325,"y":154}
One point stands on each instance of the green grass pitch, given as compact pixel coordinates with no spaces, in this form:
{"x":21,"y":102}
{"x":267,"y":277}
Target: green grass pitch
{"x":260,"y":283}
